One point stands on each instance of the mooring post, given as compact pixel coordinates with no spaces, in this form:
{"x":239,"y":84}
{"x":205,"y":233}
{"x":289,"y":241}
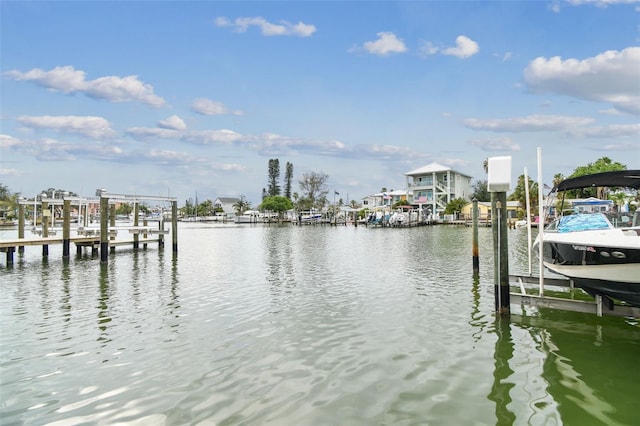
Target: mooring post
{"x":104,"y":229}
{"x":45,"y":227}
{"x":498,"y":183}
{"x":476,"y":259}
{"x":10,"y":251}
{"x":161,"y":230}
{"x":136,"y":234}
{"x":66,"y":228}
{"x":112,"y":222}
{"x":21,"y":225}
{"x":501,"y":250}
{"x":144,"y":223}
{"x":174,"y":226}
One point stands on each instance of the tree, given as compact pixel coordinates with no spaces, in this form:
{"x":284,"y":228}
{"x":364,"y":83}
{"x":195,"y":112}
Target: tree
{"x":241,"y":205}
{"x":455,"y":206}
{"x":288,"y":175}
{"x":8,"y":203}
{"x":601,"y":165}
{"x":619,"y":199}
{"x":519,"y":193}
{"x":274,"y":176}
{"x":276,"y":203}
{"x":481,"y":191}
{"x":314,"y":188}
{"x":124,"y":209}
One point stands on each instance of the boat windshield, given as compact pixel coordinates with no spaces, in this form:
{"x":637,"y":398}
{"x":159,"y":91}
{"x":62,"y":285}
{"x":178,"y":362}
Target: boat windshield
{"x":593,"y":221}
{"x":580,"y":222}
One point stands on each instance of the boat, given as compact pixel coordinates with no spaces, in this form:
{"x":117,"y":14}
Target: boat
{"x":599,"y":251}
{"x":249,"y":216}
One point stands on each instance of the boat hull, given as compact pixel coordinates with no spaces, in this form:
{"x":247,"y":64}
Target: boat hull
{"x":611,"y":270}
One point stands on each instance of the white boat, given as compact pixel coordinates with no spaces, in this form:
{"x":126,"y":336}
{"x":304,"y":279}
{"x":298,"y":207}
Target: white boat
{"x":249,"y":216}
{"x":601,"y":258}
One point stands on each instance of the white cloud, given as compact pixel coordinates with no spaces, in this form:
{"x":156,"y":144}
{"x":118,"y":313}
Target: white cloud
{"x":386,"y":43}
{"x":283,"y":28}
{"x":208,"y":107}
{"x":465,"y":47}
{"x":144,"y":133}
{"x":611,"y":77}
{"x":427,"y":49}
{"x":92,"y":127}
{"x":496,"y":144}
{"x":607,"y":132}
{"x":531,"y":123}
{"x":11,"y":172}
{"x":69,"y":80}
{"x":173,"y":123}
{"x":207,"y":137}
{"x":7,"y":141}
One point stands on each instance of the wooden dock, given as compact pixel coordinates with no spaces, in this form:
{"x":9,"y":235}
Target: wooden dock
{"x":102,"y":238}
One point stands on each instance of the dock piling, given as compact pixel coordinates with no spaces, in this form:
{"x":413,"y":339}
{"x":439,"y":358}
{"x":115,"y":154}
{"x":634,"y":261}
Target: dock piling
{"x":21,"y":225}
{"x":174,"y":226}
{"x":501,"y":250}
{"x":476,"y":259}
{"x":104,"y":229}
{"x":498,"y":183}
{"x":46,"y":213}
{"x":66,"y":228}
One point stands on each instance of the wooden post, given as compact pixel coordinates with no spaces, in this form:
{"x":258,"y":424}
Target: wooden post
{"x":112,"y":222}
{"x":21,"y":225}
{"x":104,"y":229}
{"x":136,"y":235}
{"x":160,"y":230}
{"x":174,"y":226}
{"x":10,"y":251}
{"x":66,"y":228}
{"x":476,"y":259}
{"x":144,"y":223}
{"x":45,"y":227}
{"x":501,"y":251}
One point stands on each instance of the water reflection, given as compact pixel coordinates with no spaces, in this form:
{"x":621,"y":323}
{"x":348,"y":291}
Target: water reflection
{"x":104,"y":318}
{"x":502,"y":385}
{"x":477,"y":316}
{"x":589,"y":367}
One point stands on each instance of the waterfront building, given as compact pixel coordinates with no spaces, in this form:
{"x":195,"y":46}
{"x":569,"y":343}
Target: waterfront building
{"x":434,"y":186}
{"x":226,"y":204}
{"x":484,"y":211}
{"x":384,"y":199}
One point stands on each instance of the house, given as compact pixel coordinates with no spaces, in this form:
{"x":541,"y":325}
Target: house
{"x":226,"y":204}
{"x":484,"y":210}
{"x":434,"y":186}
{"x":384,"y":199}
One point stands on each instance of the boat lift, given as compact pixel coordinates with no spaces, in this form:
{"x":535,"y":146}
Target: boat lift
{"x":601,"y":306}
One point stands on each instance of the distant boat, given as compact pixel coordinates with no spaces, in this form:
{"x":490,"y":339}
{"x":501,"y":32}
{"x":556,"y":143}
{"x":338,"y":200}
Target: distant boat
{"x":250,"y":216}
{"x":586,"y":247}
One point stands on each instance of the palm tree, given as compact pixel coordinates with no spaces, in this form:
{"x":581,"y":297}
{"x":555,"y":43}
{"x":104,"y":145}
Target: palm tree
{"x":241,"y":205}
{"x":619,"y":198}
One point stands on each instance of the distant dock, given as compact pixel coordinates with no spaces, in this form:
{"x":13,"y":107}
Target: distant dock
{"x":100,"y":239}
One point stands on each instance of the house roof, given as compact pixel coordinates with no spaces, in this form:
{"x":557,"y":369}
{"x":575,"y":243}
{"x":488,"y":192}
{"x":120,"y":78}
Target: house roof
{"x":227,"y":200}
{"x":397,"y":192}
{"x":433,"y":168}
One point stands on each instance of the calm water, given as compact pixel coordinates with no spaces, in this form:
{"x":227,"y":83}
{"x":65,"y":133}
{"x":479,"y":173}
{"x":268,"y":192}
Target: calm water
{"x":301,"y":326}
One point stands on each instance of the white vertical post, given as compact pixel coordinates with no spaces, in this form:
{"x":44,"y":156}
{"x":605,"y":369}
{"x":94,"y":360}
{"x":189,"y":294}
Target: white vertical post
{"x":528,"y":203}
{"x":541,"y":222}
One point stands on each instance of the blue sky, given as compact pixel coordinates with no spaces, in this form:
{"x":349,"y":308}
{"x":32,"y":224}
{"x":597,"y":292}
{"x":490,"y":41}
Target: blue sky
{"x":174,"y":98}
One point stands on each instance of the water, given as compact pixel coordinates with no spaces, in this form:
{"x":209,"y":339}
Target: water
{"x":309,"y":325}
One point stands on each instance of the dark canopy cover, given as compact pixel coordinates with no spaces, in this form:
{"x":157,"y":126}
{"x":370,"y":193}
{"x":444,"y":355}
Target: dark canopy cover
{"x":623,"y":178}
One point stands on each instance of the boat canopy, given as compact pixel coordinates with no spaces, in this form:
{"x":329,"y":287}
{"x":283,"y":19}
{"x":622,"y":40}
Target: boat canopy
{"x":623,"y":178}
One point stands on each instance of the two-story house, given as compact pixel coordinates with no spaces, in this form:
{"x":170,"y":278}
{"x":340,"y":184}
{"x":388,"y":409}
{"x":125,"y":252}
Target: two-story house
{"x":434,"y":186}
